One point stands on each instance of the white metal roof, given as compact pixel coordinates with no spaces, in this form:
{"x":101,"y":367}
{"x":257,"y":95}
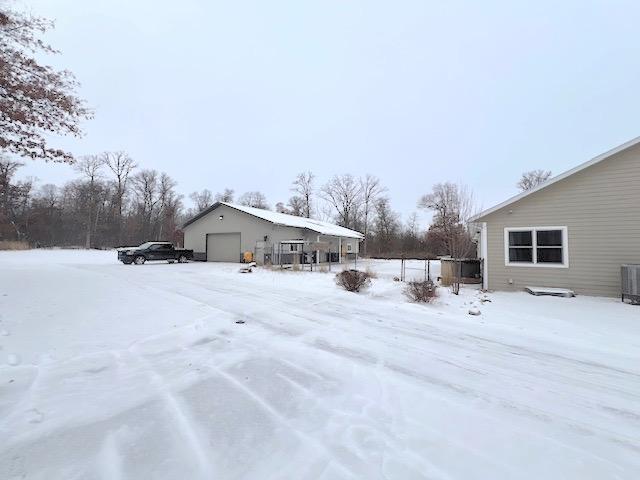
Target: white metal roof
{"x":562,"y":176}
{"x":323,"y":228}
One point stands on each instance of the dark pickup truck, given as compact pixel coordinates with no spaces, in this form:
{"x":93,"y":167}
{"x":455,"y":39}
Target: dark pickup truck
{"x":154,"y":251}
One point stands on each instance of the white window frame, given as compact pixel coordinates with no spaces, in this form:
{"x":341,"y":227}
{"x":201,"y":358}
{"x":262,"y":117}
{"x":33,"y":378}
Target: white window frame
{"x":534,"y":241}
{"x":349,"y":248}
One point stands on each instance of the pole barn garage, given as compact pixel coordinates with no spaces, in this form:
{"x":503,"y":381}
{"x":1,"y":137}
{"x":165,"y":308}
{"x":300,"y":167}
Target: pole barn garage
{"x":227,"y":232}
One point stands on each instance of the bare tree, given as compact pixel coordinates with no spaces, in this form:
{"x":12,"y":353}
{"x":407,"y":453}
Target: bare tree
{"x":452,"y":206}
{"x":371,"y":190}
{"x":90,"y":167}
{"x":411,"y":234}
{"x":303,"y":187}
{"x":35,"y":99}
{"x":121,"y":165}
{"x":169,"y":204}
{"x":297,"y":206}
{"x":10,"y":199}
{"x":226,"y":196}
{"x":386,"y":224}
{"x":281,"y":208}
{"x":48,"y":194}
{"x":146,"y":193}
{"x":254,"y":199}
{"x":324,"y":212}
{"x":203,"y":199}
{"x":532,"y":179}
{"x":344,"y":194}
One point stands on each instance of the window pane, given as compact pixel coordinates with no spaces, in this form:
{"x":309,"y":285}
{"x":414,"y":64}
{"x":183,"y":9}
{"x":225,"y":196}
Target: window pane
{"x":517,"y":239}
{"x":549,"y":238}
{"x":521,"y":254}
{"x":549,"y":255}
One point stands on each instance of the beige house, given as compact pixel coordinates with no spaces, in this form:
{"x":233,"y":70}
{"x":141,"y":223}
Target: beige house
{"x":225,"y":232}
{"x":572,"y":232}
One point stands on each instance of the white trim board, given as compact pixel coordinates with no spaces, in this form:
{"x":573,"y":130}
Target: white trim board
{"x":562,"y":176}
{"x":484,"y":254}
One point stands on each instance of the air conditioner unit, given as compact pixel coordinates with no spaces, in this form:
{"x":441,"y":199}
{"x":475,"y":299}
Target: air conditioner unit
{"x":631,"y":283}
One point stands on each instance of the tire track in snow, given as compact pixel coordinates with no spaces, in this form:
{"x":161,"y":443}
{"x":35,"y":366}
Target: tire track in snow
{"x":444,"y":336}
{"x":453,"y":336}
{"x":257,"y":399}
{"x":109,"y":459}
{"x":182,"y":419}
{"x":327,"y":308}
{"x":425,"y":465}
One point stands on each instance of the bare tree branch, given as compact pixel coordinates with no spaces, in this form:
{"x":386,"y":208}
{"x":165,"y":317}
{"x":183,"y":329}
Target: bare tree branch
{"x":532,"y":179}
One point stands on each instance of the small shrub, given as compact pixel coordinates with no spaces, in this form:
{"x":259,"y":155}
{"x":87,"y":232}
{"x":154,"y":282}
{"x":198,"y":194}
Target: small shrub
{"x":423,"y":292}
{"x":353,"y":280}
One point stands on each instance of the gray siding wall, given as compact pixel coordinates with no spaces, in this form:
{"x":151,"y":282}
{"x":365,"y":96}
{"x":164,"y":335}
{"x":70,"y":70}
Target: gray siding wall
{"x":600,"y":206}
{"x":252,"y":230}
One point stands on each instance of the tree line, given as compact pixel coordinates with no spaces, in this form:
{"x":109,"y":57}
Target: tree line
{"x":110,"y":203}
{"x":113,"y":202}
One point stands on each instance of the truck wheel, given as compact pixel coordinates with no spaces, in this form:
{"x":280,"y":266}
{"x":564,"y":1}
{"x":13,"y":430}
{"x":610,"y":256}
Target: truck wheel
{"x":139,"y":260}
{"x":182,"y":259}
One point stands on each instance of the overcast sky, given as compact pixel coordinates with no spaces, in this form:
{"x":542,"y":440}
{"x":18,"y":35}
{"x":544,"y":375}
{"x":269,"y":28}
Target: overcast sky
{"x":245,"y":94}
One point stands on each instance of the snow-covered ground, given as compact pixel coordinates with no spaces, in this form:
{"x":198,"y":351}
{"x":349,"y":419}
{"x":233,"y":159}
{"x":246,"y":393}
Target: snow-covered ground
{"x":143,"y":372}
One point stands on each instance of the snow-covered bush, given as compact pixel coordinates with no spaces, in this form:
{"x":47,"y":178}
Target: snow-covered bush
{"x":424,"y":292}
{"x":353,"y":280}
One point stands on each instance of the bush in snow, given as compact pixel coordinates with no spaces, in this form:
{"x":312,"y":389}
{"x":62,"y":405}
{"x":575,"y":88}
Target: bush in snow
{"x":424,"y":292}
{"x":353,"y":280}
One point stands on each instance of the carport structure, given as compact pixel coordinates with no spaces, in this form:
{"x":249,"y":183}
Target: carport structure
{"x":225,"y":232}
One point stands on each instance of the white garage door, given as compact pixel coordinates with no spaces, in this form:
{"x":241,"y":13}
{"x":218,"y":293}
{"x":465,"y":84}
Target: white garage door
{"x":223,"y":247}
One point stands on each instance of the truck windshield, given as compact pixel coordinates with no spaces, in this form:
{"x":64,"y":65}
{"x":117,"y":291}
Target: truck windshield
{"x":147,"y":244}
